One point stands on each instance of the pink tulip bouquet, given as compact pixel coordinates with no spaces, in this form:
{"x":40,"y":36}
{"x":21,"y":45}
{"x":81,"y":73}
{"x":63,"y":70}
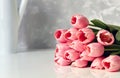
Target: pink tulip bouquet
{"x":93,"y":44}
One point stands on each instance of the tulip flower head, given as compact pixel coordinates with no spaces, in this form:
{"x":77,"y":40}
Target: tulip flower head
{"x":84,"y":56}
{"x":112,"y":63}
{"x":62,"y":61}
{"x":71,"y":54}
{"x":79,"y":21}
{"x":70,"y":34}
{"x":97,"y":63}
{"x":77,"y":45}
{"x":61,"y":48}
{"x":95,"y":49}
{"x":85,"y":35}
{"x":59,"y":35}
{"x":79,"y":63}
{"x":104,"y":37}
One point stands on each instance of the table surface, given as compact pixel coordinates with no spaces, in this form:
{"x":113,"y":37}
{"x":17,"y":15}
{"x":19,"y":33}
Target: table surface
{"x":40,"y":64}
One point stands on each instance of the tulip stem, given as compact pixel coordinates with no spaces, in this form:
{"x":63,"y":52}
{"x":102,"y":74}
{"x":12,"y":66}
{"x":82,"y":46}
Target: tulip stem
{"x":113,"y":46}
{"x":115,"y":53}
{"x":99,"y":23}
{"x":112,"y":28}
{"x":93,"y":27}
{"x":112,"y":49}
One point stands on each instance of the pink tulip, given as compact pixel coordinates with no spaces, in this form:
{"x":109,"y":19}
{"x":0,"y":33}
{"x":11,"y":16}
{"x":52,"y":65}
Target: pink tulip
{"x":79,"y":21}
{"x":79,"y":63}
{"x":112,"y":63}
{"x":59,"y":35}
{"x":61,"y":48}
{"x":77,"y":45}
{"x":71,"y":54}
{"x":84,"y":56}
{"x":97,"y":63}
{"x":85,"y":35}
{"x":70,"y":34}
{"x":104,"y":37}
{"x":95,"y":49}
{"x":62,"y":61}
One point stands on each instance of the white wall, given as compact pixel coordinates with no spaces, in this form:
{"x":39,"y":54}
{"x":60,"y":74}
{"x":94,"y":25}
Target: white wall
{"x":43,"y":17}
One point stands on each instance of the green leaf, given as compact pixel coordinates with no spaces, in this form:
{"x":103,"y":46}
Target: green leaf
{"x":117,"y":36}
{"x":113,"y":30}
{"x":99,"y":23}
{"x":117,"y":42}
{"x":113,"y":27}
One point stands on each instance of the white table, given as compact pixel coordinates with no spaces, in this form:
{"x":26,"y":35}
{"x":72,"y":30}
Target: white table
{"x":40,"y":64}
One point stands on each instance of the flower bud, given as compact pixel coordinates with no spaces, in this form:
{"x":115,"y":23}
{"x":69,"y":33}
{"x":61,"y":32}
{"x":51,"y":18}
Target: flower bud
{"x":95,"y":49}
{"x":79,"y":21}
{"x":85,"y":35}
{"x":77,"y":45}
{"x":105,"y":38}
{"x":79,"y":63}
{"x":59,"y":35}
{"x":97,"y":63}
{"x":111,"y":63}
{"x":71,"y":54}
{"x":70,"y":34}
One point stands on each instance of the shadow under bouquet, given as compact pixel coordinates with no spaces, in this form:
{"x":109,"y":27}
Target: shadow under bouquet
{"x":93,"y":44}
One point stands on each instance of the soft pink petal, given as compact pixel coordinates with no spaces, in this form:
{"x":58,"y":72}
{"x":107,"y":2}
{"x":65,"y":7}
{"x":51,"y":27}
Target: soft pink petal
{"x":79,"y":21}
{"x":85,"y":35}
{"x":59,"y":35}
{"x":77,"y":45}
{"x":97,"y":63}
{"x":70,"y":34}
{"x":112,"y":63}
{"x":61,"y":48}
{"x":84,"y":56}
{"x":71,"y":54}
{"x":62,"y":61}
{"x":95,"y":49}
{"x":79,"y":63}
{"x":104,"y":37}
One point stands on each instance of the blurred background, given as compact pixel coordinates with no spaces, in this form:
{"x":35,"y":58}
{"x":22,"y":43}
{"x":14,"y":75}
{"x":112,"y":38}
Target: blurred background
{"x":43,"y":17}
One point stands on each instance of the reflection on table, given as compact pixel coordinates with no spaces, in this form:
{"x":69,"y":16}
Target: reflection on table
{"x":73,"y":72}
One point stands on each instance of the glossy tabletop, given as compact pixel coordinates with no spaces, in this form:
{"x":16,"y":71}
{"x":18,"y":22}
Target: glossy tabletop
{"x":40,"y":64}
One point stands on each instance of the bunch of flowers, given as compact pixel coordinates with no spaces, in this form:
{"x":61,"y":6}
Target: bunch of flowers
{"x":94,"y":44}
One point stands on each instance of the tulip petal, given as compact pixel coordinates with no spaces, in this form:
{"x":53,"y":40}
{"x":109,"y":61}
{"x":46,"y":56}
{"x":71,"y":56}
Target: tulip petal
{"x":111,"y":63}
